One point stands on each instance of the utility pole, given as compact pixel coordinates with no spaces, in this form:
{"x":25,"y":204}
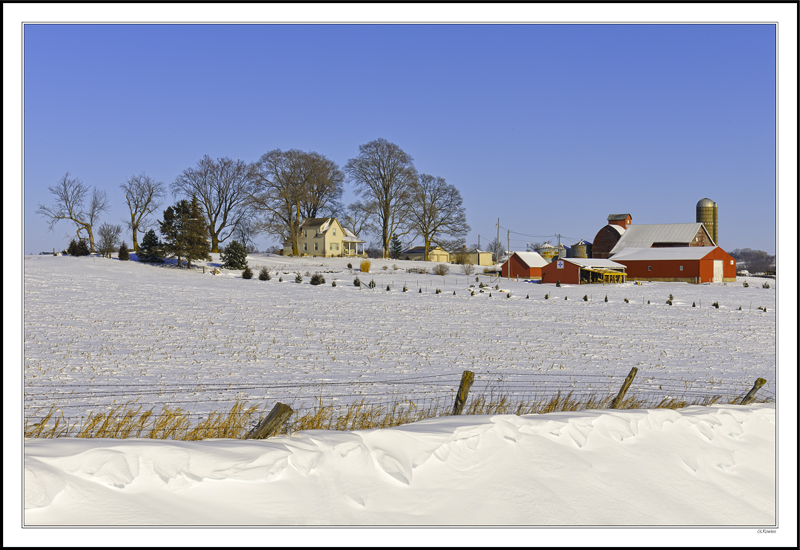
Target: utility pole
{"x":508,"y":241}
{"x":498,"y":238}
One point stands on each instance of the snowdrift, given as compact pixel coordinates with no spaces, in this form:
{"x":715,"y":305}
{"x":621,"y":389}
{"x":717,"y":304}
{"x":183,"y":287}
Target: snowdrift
{"x":712,"y":466}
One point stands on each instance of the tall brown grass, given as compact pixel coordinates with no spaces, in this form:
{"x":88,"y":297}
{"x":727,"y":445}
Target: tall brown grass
{"x":129,"y":420}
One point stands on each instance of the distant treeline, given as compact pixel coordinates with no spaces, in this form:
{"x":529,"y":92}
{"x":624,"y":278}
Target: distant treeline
{"x":754,"y":261}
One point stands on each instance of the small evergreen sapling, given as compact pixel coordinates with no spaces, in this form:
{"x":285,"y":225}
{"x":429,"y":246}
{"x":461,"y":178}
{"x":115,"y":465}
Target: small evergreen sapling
{"x":124,"y":253}
{"x":234,"y":256}
{"x":247,"y":273}
{"x":317,"y":279}
{"x":263,"y":275}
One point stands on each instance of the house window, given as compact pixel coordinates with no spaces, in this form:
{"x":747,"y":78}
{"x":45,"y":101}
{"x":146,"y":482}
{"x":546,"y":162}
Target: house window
{"x":334,"y":231}
{"x":649,"y":268}
{"x":316,"y":246}
{"x":334,"y":246}
{"x":731,"y":262}
{"x":305,"y":246}
{"x":305,"y":233}
{"x":681,"y":268}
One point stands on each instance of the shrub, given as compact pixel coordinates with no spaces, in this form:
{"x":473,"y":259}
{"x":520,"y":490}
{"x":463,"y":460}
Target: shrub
{"x":558,"y":282}
{"x":83,"y":248}
{"x":527,"y":296}
{"x":565,"y":297}
{"x":247,"y":273}
{"x":745,"y":284}
{"x":280,"y":279}
{"x":477,"y":279}
{"x":607,"y":298}
{"x":585,"y":297}
{"x":385,"y":267}
{"x":507,"y":295}
{"x":365,"y":265}
{"x":388,"y":287}
{"x":394,"y":266}
{"x":264,"y":274}
{"x":317,"y":279}
{"x":693,"y":304}
{"x":371,"y":283}
{"x":72,"y":248}
{"x":298,"y":278}
{"x":420,"y":290}
{"x":357,"y":282}
{"x":349,"y":266}
{"x":441,"y":269}
{"x":669,"y":302}
{"x":333,"y":283}
{"x":716,"y":305}
{"x":626,"y":301}
{"x":124,"y":253}
{"x":234,"y":256}
{"x":547,"y":296}
{"x":405,"y":288}
{"x":472,"y":293}
{"x":765,"y":285}
{"x":468,"y":269}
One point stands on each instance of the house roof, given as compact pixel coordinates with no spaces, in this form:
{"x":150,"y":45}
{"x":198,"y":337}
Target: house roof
{"x":643,"y":236}
{"x":350,"y":237}
{"x":594,"y":263}
{"x":617,"y":217}
{"x":421,"y":249}
{"x":667,"y":253}
{"x":311,"y":222}
{"x":531,"y":259}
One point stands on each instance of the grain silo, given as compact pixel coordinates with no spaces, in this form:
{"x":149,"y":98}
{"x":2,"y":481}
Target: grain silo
{"x":707,"y":214}
{"x":581,"y":249}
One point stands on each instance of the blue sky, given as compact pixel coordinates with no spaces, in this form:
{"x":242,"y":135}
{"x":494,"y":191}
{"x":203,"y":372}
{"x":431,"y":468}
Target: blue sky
{"x":549,"y":128}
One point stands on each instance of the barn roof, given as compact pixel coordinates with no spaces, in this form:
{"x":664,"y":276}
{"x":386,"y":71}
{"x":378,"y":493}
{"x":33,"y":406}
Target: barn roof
{"x":617,"y":217}
{"x":667,"y":253}
{"x":594,"y":263}
{"x":531,"y":259}
{"x":643,"y":236}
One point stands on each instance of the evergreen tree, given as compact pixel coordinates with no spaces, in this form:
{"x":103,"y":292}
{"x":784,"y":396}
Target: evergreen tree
{"x":195,"y":233}
{"x":124,"y":253}
{"x":82,"y":248}
{"x":234,"y":256}
{"x":171,"y":227}
{"x":395,"y":247}
{"x":150,"y":248}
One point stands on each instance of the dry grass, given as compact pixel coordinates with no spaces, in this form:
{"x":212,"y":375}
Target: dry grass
{"x":129,"y":420}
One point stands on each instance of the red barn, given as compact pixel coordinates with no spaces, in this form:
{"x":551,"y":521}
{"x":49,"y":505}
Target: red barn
{"x":575,"y":271}
{"x":527,"y":265}
{"x":690,"y":264}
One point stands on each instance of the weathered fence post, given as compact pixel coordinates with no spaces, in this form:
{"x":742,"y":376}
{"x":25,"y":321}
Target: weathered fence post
{"x":272,"y":423}
{"x":463,"y":391}
{"x":751,"y":395}
{"x":625,"y":385}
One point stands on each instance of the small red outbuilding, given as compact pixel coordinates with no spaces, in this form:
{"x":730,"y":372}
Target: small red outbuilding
{"x":690,"y":264}
{"x":527,"y":265}
{"x":575,"y":271}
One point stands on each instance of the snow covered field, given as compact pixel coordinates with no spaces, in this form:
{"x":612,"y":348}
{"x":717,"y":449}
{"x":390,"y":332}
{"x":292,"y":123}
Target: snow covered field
{"x":99,"y":332}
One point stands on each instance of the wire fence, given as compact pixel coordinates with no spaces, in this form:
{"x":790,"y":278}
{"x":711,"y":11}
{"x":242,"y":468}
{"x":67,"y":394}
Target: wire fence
{"x":76,"y":402}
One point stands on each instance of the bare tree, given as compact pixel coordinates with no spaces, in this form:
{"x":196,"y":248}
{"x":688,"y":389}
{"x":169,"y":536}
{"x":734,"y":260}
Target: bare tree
{"x":109,"y":237}
{"x":142,"y":194}
{"x":496,"y":248}
{"x":436,"y":211}
{"x":383,"y":174}
{"x":222,"y":188}
{"x":324,"y":185}
{"x":71,"y":194}
{"x":359,"y":218}
{"x":278,"y":182}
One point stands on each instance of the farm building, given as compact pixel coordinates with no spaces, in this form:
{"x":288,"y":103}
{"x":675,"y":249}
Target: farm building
{"x":574,"y":271}
{"x":663,"y":236}
{"x":325,"y":237}
{"x":472,"y":256}
{"x":690,"y":264}
{"x":527,"y":265}
{"x":609,"y":235}
{"x":437,"y":254}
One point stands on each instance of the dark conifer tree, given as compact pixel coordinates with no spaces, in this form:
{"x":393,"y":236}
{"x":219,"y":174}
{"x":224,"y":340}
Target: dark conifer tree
{"x":234,"y":256}
{"x":124,"y":253}
{"x":195,"y":232}
{"x":150,"y":248}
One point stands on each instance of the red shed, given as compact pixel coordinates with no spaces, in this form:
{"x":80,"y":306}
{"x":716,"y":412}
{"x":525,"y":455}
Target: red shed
{"x":690,"y":264}
{"x":575,"y":271}
{"x":524,"y":264}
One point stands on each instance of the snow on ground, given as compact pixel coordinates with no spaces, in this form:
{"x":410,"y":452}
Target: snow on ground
{"x":99,"y":332}
{"x":697,"y":466}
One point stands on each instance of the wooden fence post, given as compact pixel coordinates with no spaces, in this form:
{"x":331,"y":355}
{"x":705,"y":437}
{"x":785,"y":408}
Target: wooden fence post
{"x":751,"y":395}
{"x":625,"y":385}
{"x":463,"y":391}
{"x":272,"y":423}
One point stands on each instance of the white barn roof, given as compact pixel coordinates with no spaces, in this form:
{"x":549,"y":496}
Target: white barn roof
{"x":594,"y":263}
{"x":668,"y":253}
{"x":532,"y":259}
{"x":643,"y":236}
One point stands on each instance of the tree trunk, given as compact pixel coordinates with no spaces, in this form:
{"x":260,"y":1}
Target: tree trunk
{"x":135,"y":246}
